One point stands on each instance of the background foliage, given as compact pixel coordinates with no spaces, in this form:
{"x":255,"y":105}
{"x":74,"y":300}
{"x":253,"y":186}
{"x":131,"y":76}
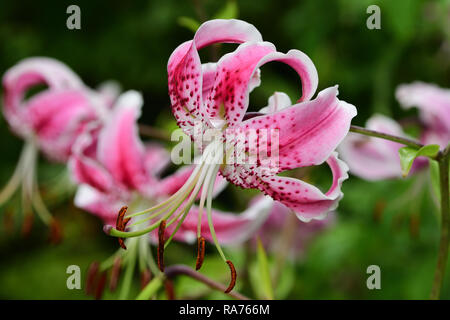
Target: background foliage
{"x":130,"y":41}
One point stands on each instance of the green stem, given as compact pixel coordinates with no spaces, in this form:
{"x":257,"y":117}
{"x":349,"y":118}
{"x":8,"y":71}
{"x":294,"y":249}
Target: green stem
{"x":151,"y":288}
{"x":152,"y":132}
{"x":128,"y":277}
{"x":443,"y":160}
{"x":381,"y":135}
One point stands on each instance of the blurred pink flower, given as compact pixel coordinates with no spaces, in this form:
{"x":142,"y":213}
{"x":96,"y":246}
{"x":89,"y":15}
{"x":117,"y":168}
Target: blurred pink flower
{"x":55,"y":116}
{"x":49,"y":121}
{"x":433,"y":104}
{"x":378,"y":159}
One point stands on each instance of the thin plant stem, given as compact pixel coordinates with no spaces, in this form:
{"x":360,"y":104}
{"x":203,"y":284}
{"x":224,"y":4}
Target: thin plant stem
{"x":385,"y":136}
{"x":128,"y":278}
{"x":152,"y":132}
{"x":445,"y":224}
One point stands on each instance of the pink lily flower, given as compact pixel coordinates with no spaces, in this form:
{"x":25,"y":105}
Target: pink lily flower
{"x":377,"y":159}
{"x":55,"y":116}
{"x":113,"y":167}
{"x":50,"y":121}
{"x":216,"y":96}
{"x":224,"y":105}
{"x":433,"y":103}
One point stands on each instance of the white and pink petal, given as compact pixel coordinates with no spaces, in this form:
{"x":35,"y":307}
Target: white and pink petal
{"x":103,"y":205}
{"x":307,"y":201}
{"x":185,"y":69}
{"x":120,"y":149}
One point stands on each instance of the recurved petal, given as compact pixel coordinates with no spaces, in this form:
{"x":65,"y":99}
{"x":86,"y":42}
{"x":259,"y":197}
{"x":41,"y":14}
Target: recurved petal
{"x":229,"y":98}
{"x":185,"y":69}
{"x":303,"y":65}
{"x":433,"y":102}
{"x":306,"y":200}
{"x":308,"y":131}
{"x":225,"y":31}
{"x":30,"y":72}
{"x":120,"y":149}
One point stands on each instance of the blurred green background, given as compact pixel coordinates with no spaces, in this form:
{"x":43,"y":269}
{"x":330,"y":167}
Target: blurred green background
{"x":130,"y":41}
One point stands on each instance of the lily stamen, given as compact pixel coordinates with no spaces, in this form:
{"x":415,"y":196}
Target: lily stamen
{"x":200,"y":253}
{"x":160,"y":253}
{"x":233,"y":276}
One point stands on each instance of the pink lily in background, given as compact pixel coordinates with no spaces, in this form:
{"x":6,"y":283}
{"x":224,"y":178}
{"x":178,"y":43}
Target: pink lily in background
{"x":216,"y":96}
{"x":113,"y":168}
{"x":49,"y":121}
{"x":433,"y":104}
{"x":377,"y":159}
{"x":372,"y":158}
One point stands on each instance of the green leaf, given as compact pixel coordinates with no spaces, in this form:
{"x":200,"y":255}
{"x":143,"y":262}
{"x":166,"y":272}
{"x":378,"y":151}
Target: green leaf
{"x":229,"y":11}
{"x":189,"y":23}
{"x":408,"y":154}
{"x":264,"y":272}
{"x":151,"y":289}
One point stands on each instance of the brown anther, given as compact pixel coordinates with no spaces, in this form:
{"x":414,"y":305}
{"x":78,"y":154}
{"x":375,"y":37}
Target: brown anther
{"x":170,"y":291}
{"x":100,"y":286}
{"x":233,"y":277}
{"x":122,"y":243}
{"x":200,"y":252}
{"x":115,"y":273}
{"x":146,"y":276}
{"x":91,"y":277}
{"x":55,"y":232}
{"x":27,"y":224}
{"x":121,"y":223}
{"x":161,"y":242}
